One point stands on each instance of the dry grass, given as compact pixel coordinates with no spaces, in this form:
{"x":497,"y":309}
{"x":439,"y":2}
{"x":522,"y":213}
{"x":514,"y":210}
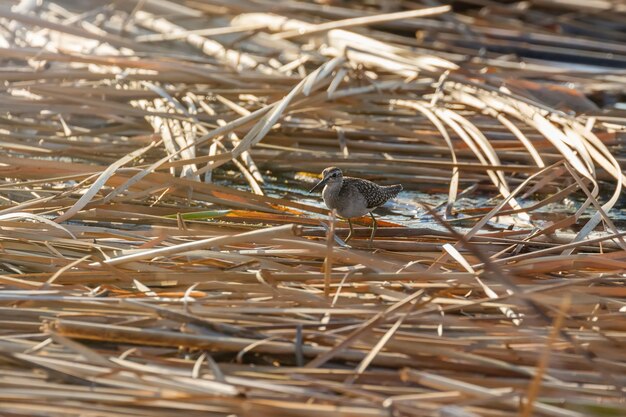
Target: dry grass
{"x":133,"y":283}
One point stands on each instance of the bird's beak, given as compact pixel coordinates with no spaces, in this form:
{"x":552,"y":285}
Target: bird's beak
{"x":319,"y":184}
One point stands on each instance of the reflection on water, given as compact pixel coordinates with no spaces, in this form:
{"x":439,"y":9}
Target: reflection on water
{"x":405,"y":209}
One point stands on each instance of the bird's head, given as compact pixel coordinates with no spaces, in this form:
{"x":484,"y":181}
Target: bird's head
{"x":330,"y":175}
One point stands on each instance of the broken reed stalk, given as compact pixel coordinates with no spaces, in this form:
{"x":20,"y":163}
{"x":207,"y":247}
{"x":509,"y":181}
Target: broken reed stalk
{"x":264,"y":234}
{"x":328,"y":261}
{"x":535,"y":385}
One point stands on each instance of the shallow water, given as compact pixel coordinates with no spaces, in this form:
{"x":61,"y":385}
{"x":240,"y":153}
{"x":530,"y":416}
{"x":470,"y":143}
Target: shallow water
{"x":406,"y":210}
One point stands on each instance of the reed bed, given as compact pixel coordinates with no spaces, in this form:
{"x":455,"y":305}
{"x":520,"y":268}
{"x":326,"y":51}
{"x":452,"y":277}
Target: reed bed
{"x":159,"y":253}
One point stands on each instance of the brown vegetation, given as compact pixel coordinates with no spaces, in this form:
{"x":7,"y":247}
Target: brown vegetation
{"x":145,"y":270}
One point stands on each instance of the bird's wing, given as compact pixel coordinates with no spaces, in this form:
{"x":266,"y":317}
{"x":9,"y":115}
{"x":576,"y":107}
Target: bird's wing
{"x":374,"y":194}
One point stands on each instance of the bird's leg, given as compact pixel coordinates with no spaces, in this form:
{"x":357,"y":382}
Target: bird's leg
{"x":351,"y":230}
{"x":374,"y":226}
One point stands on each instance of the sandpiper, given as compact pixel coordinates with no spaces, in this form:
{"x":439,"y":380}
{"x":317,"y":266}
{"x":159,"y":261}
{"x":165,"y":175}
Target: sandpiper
{"x":354,"y":197}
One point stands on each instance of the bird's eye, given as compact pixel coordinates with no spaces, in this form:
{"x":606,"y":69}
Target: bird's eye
{"x":334,"y":175}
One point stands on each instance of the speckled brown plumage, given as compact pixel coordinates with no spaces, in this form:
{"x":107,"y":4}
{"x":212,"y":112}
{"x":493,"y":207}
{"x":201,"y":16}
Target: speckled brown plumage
{"x":375,"y":195}
{"x":354,"y":197}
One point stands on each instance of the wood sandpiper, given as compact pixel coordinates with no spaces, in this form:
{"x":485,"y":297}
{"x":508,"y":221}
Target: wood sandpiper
{"x":354,"y":197}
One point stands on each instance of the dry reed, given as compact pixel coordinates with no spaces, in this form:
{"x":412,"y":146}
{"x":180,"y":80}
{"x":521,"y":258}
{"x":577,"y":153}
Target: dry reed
{"x":156,"y":255}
